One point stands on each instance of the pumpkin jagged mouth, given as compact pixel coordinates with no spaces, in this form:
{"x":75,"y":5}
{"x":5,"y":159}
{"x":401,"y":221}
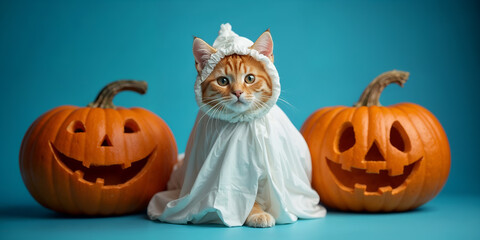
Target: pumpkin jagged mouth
{"x":104,"y":175}
{"x":374,"y":183}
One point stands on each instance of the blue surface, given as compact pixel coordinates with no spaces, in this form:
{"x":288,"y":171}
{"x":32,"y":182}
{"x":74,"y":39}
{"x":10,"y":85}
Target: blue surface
{"x":63,"y":52}
{"x":443,"y":218}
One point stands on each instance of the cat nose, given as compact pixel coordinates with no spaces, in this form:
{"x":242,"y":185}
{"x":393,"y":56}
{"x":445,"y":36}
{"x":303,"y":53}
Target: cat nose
{"x":237,"y":93}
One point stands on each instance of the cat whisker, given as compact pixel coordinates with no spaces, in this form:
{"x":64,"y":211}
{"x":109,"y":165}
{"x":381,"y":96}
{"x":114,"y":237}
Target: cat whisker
{"x":213,"y":108}
{"x":212,"y":100}
{"x":218,"y":100}
{"x":258,"y":104}
{"x":287,"y":103}
{"x":218,"y":110}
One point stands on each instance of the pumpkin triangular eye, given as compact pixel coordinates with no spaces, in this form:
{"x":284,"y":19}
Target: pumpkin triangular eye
{"x":398,"y":137}
{"x":347,"y":138}
{"x":76,"y":127}
{"x":131,"y":126}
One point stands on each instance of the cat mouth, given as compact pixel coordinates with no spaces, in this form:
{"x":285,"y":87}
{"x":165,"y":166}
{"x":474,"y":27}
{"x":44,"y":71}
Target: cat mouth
{"x":239,"y":105}
{"x":104,"y":175}
{"x":240,"y":101}
{"x":357,"y":179}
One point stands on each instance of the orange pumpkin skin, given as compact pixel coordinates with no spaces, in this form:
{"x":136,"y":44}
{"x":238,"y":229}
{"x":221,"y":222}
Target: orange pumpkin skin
{"x":375,"y":158}
{"x":95,"y":160}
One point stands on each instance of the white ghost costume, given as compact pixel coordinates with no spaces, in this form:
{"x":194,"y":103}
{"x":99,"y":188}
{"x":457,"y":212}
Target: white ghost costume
{"x":233,"y":161}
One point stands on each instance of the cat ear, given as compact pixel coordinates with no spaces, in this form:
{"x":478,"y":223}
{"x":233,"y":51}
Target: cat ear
{"x":264,"y":45}
{"x":202,"y":52}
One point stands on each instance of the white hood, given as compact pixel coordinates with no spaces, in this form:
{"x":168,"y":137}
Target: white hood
{"x":229,"y":43}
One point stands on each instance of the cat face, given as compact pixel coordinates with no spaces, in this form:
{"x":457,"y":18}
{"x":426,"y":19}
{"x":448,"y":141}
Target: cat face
{"x":239,"y":84}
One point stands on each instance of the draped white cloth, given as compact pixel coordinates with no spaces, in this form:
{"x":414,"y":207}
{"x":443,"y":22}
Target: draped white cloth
{"x":228,"y":166}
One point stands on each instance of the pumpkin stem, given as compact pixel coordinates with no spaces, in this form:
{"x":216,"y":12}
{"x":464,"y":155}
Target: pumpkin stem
{"x":371,"y":94}
{"x":105,"y":97}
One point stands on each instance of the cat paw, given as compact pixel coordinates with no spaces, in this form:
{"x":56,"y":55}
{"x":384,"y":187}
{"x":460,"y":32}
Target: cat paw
{"x":260,"y":220}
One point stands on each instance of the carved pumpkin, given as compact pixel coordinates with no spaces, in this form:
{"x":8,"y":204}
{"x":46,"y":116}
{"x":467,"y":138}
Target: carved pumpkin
{"x":98,"y":160}
{"x":374,"y":158}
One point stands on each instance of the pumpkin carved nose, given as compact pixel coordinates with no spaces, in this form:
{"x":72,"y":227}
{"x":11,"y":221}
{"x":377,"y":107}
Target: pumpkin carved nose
{"x":374,"y":154}
{"x":106,"y":142}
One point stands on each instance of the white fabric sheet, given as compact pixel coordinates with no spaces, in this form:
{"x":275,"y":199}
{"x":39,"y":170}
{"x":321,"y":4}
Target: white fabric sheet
{"x":228,"y":166}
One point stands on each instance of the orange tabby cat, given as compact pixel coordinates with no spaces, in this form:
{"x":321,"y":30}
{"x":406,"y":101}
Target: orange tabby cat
{"x":239,"y":84}
{"x":250,"y":165}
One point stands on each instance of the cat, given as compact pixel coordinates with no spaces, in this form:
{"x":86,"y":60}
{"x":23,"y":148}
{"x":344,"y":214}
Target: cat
{"x":238,"y":84}
{"x":245,"y":162}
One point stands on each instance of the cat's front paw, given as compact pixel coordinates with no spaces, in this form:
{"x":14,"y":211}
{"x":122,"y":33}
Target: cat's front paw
{"x":260,"y":220}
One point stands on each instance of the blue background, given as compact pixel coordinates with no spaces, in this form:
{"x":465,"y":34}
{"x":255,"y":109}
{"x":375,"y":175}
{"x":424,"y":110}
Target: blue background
{"x":56,"y":53}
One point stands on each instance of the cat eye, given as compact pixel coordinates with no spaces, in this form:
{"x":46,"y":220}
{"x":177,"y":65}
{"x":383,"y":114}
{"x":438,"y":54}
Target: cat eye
{"x":250,"y":79}
{"x":222,"y":81}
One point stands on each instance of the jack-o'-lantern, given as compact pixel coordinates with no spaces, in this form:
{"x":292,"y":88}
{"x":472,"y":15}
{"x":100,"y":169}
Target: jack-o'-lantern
{"x":375,"y":158}
{"x":100,"y":159}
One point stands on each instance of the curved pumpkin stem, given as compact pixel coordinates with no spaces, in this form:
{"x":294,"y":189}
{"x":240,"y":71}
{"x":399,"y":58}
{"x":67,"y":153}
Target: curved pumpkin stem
{"x":105,"y":97}
{"x":371,"y":94}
